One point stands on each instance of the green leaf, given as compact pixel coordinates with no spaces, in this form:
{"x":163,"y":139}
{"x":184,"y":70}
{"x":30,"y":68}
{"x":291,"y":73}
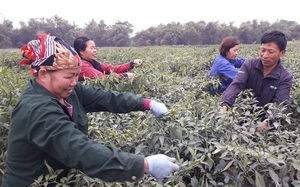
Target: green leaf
{"x":139,"y":148}
{"x":228,"y":165}
{"x":216,"y":151}
{"x":296,"y":166}
{"x":273,"y":161}
{"x":259,"y":180}
{"x":161,"y":140}
{"x":51,"y":171}
{"x":246,"y":160}
{"x":274,"y":176}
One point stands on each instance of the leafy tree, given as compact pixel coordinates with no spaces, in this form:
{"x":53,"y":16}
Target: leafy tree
{"x":23,"y":35}
{"x":212,"y":33}
{"x":60,"y":27}
{"x":6,"y":30}
{"x":190,"y":35}
{"x":119,"y":34}
{"x":246,"y":32}
{"x":295,"y":32}
{"x":98,"y":32}
{"x":145,"y":37}
{"x":169,"y":34}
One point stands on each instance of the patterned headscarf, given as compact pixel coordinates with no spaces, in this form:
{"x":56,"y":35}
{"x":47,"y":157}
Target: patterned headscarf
{"x":50,"y":53}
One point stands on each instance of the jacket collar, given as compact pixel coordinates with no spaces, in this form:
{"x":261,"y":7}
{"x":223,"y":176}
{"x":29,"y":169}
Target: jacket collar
{"x":276,"y":71}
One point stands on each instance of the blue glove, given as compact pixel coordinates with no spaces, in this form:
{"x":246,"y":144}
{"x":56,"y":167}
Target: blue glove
{"x":158,"y":109}
{"x":161,"y":165}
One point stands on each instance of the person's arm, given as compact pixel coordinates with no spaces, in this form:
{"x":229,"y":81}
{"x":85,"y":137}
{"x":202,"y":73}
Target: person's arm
{"x":87,"y":70}
{"x":223,"y":67}
{"x":238,"y":62}
{"x":118,"y":69}
{"x":121,"y":70}
{"x":50,"y":130}
{"x":146,"y":166}
{"x":96,"y":99}
{"x":107,"y":68}
{"x":283,"y":91}
{"x":282,"y":97}
{"x":238,"y":84}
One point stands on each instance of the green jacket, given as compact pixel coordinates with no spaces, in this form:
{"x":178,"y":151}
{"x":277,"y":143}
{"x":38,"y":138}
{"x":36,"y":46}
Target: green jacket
{"x":41,"y":130}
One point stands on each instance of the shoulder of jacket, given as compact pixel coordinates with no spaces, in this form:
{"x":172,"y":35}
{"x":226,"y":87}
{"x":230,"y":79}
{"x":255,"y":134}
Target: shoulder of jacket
{"x":85,"y":63}
{"x":286,"y":73}
{"x":252,"y":62}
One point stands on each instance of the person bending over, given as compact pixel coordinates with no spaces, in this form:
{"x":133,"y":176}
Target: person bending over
{"x":266,"y":76}
{"x":87,"y":50}
{"x":50,"y":124}
{"x":226,"y":64}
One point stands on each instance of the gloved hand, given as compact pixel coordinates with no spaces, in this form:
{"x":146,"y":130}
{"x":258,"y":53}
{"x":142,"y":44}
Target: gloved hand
{"x":262,"y":126}
{"x":161,"y":165}
{"x":158,"y":109}
{"x":139,"y":62}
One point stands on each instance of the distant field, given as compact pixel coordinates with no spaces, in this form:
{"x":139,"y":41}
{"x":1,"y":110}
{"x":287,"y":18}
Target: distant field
{"x":212,"y":149}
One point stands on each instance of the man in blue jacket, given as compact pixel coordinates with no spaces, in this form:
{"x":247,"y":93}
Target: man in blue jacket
{"x":269,"y":80}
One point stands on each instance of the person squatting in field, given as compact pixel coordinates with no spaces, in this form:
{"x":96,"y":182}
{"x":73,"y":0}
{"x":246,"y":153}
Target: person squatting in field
{"x":266,"y":76}
{"x":226,"y":64}
{"x":87,"y":50}
{"x":49,"y":123}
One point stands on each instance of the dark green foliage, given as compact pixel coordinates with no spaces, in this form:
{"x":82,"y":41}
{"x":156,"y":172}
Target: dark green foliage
{"x":12,"y":83}
{"x":212,"y":148}
{"x":121,"y":34}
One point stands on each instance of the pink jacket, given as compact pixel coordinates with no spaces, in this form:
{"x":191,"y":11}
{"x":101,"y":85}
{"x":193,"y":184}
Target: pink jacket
{"x":87,"y":70}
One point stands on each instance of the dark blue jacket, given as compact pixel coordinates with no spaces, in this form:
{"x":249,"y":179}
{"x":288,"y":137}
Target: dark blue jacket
{"x":273,"y":88}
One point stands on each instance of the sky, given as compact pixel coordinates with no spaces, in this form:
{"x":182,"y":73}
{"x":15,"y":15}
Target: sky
{"x":144,"y":14}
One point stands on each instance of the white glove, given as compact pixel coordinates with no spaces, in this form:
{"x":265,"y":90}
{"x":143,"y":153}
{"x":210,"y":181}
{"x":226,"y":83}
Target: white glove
{"x":158,"y":109}
{"x":161,"y":165}
{"x":138,"y":61}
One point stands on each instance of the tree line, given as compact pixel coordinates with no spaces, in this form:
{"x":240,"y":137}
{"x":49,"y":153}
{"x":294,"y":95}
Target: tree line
{"x":121,"y":34}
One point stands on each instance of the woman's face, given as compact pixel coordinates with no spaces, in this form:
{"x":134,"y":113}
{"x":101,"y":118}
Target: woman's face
{"x":232,"y":53}
{"x":90,"y":52}
{"x":61,"y":83}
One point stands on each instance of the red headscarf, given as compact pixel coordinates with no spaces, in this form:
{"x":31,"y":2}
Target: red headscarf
{"x":50,"y":53}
